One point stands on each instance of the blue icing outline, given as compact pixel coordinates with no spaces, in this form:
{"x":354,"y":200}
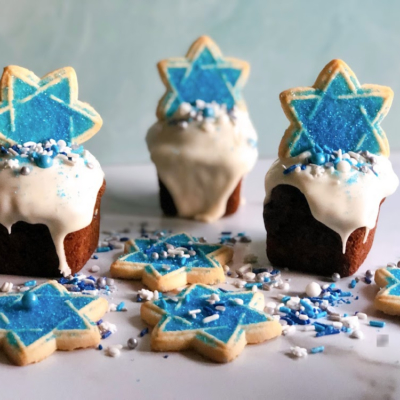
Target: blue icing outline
{"x":56,"y":311}
{"x":204,"y":74}
{"x":140,"y":252}
{"x":34,"y":109}
{"x":393,"y":282}
{"x":337,"y":112}
{"x":228,"y":326}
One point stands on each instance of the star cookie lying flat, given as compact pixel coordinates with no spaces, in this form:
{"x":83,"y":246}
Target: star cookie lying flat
{"x":336,"y":112}
{"x":172,"y":262}
{"x":388,"y":298}
{"x":34,"y":324}
{"x":217,"y":324}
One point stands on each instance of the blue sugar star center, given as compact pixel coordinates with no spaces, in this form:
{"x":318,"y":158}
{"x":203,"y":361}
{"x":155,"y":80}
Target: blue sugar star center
{"x":393,"y":282}
{"x":54,"y":310}
{"x":229,"y":323}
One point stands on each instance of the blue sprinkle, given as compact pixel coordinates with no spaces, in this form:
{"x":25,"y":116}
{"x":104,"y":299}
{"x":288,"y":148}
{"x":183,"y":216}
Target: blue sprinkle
{"x":139,"y":299}
{"x":100,"y":347}
{"x":303,"y":167}
{"x":124,"y":239}
{"x":345,"y":294}
{"x":353,"y":284}
{"x":99,"y":322}
{"x":285,"y":299}
{"x":94,"y":257}
{"x":285,"y":309}
{"x":144,"y":331}
{"x":30,"y":283}
{"x":209,"y":310}
{"x":224,"y":233}
{"x":240,"y":234}
{"x":250,"y":285}
{"x":44,"y":161}
{"x":105,"y":335}
{"x":120,"y":306}
{"x":367,"y":280}
{"x":290,"y":169}
{"x":166,"y":356}
{"x":377,"y":324}
{"x":3,"y":150}
{"x":319,"y":349}
{"x":103,"y":249}
{"x":223,"y":290}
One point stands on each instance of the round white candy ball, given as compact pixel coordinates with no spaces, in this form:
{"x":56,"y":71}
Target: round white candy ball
{"x":313,"y":289}
{"x":343,"y":166}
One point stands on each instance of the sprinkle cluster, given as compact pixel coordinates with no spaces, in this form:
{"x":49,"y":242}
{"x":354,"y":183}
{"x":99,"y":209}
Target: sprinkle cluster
{"x":206,"y":114}
{"x":41,"y":154}
{"x":323,"y":160}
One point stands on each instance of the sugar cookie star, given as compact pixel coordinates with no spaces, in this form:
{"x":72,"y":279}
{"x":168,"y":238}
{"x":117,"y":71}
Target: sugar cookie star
{"x":388,"y":298}
{"x":204,"y":74}
{"x":52,"y":319}
{"x":34,"y":109}
{"x":217,"y":324}
{"x":336,"y":112}
{"x":172,"y":262}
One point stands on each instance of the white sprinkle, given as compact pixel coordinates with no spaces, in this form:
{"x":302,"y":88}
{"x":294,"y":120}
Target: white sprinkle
{"x":210,"y":318}
{"x":351,"y":322}
{"x":361,"y":315}
{"x":334,"y":317}
{"x":249,"y":276}
{"x":94,"y":268}
{"x":238,"y":301}
{"x":254,"y":288}
{"x":156,"y":295}
{"x":303,"y":317}
{"x":116,"y":244}
{"x":113,"y":351}
{"x":112,"y":307}
{"x":284,"y":286}
{"x":220,"y":308}
{"x":166,"y":267}
{"x":146,"y":294}
{"x":6,"y":287}
{"x":154,"y":256}
{"x":239,"y":283}
{"x":313,"y":289}
{"x":244,"y":269}
{"x":298,"y":351}
{"x":337,"y":324}
{"x":288,"y":330}
{"x":196,"y":311}
{"x":357,"y":334}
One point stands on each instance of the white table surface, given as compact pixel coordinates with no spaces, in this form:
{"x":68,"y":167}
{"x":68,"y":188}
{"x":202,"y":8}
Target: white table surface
{"x":348,"y":369}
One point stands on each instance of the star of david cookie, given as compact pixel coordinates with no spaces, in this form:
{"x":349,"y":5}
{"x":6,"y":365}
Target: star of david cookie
{"x":172,"y":262}
{"x":34,"y":109}
{"x":34,"y":324}
{"x":217,"y":324}
{"x":388,"y":298}
{"x":336,"y":112}
{"x":204,"y":74}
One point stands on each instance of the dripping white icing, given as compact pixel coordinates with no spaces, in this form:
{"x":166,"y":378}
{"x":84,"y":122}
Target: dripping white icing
{"x":343,"y":201}
{"x":202,"y":163}
{"x":62,"y":197}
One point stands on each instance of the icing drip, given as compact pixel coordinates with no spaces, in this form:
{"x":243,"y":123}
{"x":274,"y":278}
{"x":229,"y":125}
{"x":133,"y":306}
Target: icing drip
{"x":201,"y":162}
{"x":61,"y":197}
{"x":343,"y":201}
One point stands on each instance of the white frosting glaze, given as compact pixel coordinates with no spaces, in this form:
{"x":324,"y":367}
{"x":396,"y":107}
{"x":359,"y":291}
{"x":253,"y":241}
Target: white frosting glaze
{"x":202,"y":163}
{"x":62,"y":197}
{"x":343,"y":201}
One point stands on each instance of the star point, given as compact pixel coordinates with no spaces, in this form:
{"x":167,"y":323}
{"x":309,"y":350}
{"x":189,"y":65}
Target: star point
{"x":204,"y":74}
{"x":336,"y":112}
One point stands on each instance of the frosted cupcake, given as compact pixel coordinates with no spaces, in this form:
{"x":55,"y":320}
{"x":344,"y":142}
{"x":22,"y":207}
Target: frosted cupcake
{"x":203,"y":143}
{"x":323,"y":194}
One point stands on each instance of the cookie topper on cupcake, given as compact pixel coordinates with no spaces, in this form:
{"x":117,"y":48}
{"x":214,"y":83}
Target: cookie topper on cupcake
{"x":204,"y":74}
{"x":34,"y":109}
{"x":336,"y":112}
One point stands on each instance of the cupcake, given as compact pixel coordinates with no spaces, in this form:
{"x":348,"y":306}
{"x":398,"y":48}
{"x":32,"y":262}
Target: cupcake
{"x":324,"y":192}
{"x":203,"y":143}
{"x":50,"y":186}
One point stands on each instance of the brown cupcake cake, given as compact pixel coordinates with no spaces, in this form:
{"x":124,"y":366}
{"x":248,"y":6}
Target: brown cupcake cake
{"x":203,"y":143}
{"x":50,"y":186}
{"x":324,"y":193}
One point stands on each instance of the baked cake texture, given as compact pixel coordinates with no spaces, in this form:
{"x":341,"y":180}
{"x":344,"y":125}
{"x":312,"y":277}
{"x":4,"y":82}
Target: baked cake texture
{"x":323,"y":194}
{"x":203,"y":143}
